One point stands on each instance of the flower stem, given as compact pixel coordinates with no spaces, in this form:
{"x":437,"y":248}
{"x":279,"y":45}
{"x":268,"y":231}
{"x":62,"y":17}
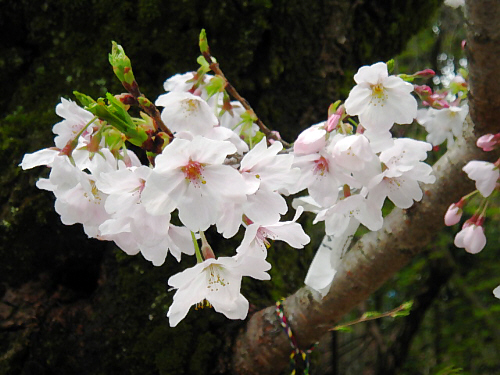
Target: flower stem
{"x":214,"y":66}
{"x":199,"y":258}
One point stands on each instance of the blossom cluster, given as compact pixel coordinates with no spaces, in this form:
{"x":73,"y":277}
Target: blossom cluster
{"x":349,"y":176}
{"x":210,"y":168}
{"x":444,"y":112}
{"x":487,"y":179}
{"x":206,"y":176}
{"x":486,"y":176}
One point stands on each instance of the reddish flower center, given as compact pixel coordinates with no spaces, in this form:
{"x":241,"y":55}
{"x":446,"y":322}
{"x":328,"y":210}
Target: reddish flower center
{"x":193,"y":172}
{"x":320,"y":166}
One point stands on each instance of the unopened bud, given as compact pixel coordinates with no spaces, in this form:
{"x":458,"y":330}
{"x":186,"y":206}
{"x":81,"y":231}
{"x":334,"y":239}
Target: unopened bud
{"x":453,"y":215}
{"x":488,"y":142}
{"x":121,"y":64}
{"x":425,"y":74}
{"x":423,"y":90}
{"x":203,"y":42}
{"x":126,"y":98}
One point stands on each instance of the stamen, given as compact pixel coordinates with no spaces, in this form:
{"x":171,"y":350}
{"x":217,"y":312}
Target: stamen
{"x":193,"y":172}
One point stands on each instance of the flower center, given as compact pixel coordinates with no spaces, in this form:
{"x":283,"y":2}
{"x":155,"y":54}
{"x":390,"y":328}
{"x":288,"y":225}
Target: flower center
{"x":378,"y":95}
{"x":190,"y":105}
{"x":262,"y":236}
{"x":96,"y":194}
{"x":193,"y":173}
{"x":215,"y":277}
{"x":320,"y":166}
{"x":378,"y":90}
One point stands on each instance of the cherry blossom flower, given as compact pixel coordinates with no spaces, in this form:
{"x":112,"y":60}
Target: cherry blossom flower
{"x":190,"y":176}
{"x":78,"y":200}
{"x":357,"y":207}
{"x":327,"y":260}
{"x":351,"y":152}
{"x":217,"y":281}
{"x":38,"y":158}
{"x":185,"y":112}
{"x":471,"y":237}
{"x":322,"y":176}
{"x":380,"y":100}
{"x":484,"y":173}
{"x":443,"y":124}
{"x":235,"y":122}
{"x":310,"y":140}
{"x":131,"y":227}
{"x":75,"y":119}
{"x":403,"y":171}
{"x":255,"y":241}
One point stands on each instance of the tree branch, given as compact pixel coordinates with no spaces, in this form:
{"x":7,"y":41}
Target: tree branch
{"x":377,"y":256}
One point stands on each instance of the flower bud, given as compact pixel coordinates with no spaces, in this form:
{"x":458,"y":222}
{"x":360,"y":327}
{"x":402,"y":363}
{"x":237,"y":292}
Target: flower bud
{"x":488,"y":142}
{"x":453,"y":215}
{"x":425,"y":74}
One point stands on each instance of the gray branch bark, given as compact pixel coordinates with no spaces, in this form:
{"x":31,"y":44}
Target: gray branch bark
{"x":263,"y":348}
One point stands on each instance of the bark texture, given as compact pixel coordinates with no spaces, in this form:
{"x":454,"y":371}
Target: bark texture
{"x":483,"y":52}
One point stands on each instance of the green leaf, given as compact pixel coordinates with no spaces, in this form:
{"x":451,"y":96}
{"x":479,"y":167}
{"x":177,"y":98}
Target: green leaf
{"x":84,"y":100}
{"x":406,"y":77}
{"x":344,"y":329}
{"x":257,"y":138}
{"x":449,"y":370}
{"x":333,"y":107}
{"x":216,"y":85}
{"x":390,"y":66}
{"x":371,"y":314}
{"x":117,"y":116}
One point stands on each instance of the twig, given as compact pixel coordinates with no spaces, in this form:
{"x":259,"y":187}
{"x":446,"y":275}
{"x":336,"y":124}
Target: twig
{"x":147,"y":106}
{"x":214,"y":66}
{"x":365,"y":318}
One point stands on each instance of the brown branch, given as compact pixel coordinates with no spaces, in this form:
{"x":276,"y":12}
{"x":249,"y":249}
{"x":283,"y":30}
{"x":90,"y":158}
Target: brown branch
{"x":214,"y":66}
{"x":150,"y":108}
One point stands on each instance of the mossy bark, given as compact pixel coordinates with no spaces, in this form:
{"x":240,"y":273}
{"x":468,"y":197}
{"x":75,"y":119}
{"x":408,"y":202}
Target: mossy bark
{"x":73,"y":305}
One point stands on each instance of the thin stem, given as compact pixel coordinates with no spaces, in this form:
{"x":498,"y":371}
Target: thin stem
{"x":234,"y":93}
{"x":470,"y":194}
{"x":391,"y":313}
{"x":483,"y":212}
{"x":199,"y":258}
{"x":151,"y":109}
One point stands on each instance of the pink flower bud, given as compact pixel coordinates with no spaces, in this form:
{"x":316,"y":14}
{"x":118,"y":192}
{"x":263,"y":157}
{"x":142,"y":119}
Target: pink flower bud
{"x":426,"y":73}
{"x":310,"y":140}
{"x":453,"y":215}
{"x":423,"y":90}
{"x":488,"y":142}
{"x":333,"y":119}
{"x":471,"y":237}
